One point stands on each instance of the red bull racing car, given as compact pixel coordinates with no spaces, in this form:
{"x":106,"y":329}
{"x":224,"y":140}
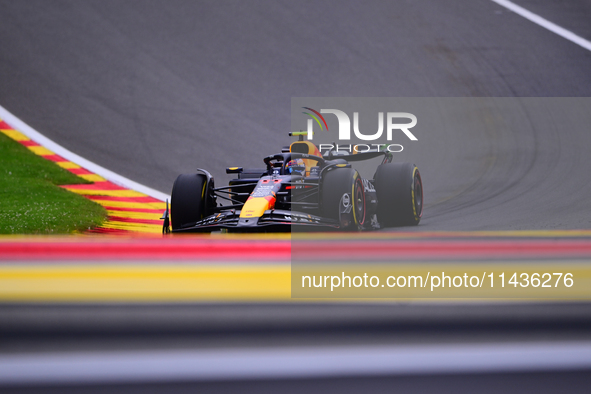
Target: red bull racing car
{"x":300,"y":187}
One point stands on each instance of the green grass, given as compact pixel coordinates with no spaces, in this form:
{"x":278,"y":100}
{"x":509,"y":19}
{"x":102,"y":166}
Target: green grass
{"x":30,"y":201}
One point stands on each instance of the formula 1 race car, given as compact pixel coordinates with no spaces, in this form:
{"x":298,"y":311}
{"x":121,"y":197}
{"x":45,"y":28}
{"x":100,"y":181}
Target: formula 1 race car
{"x":300,"y":187}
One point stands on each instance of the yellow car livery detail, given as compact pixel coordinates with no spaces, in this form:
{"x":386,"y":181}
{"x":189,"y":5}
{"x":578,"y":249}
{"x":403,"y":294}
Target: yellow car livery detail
{"x":256,"y":206}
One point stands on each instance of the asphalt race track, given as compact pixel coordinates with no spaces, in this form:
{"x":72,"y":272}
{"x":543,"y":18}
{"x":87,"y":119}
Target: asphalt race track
{"x":151,"y":89}
{"x":155,"y":90}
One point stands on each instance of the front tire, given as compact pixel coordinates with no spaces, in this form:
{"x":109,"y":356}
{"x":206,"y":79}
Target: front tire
{"x":188,"y":200}
{"x":400,"y":194}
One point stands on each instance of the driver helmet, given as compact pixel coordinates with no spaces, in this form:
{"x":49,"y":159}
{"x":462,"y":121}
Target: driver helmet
{"x":295,"y":167}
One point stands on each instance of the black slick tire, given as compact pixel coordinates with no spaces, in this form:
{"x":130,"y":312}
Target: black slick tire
{"x":400,"y":194}
{"x":188,"y":200}
{"x":343,"y":198}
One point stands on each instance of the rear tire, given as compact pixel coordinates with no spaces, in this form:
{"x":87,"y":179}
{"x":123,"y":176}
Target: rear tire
{"x":400,"y":194}
{"x":188,"y":200}
{"x":343,"y":198}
